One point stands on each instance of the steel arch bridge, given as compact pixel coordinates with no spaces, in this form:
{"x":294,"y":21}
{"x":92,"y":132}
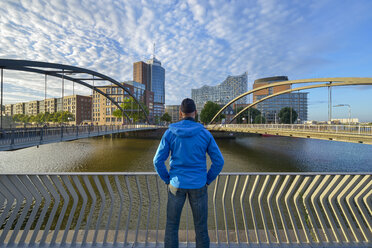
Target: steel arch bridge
{"x":75,"y":74}
{"x":331,"y":82}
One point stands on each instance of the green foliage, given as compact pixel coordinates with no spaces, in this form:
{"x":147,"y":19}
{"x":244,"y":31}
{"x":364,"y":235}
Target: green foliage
{"x":259,"y":120}
{"x":132,"y":109}
{"x":166,"y":117}
{"x":285,"y":115}
{"x":248,"y":115}
{"x":45,"y":117}
{"x":209,"y":111}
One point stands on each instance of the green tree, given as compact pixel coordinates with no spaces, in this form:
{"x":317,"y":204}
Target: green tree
{"x":166,"y":117}
{"x":132,"y":109}
{"x":209,"y":111}
{"x":248,"y":115}
{"x":285,"y":115}
{"x":259,"y":120}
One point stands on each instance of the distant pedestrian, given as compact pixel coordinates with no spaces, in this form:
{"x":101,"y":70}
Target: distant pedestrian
{"x":188,"y":142}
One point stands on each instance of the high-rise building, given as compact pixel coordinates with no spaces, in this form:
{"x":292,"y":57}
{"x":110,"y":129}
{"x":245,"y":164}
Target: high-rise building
{"x":152,"y":75}
{"x":270,"y":108}
{"x":222,"y":93}
{"x":142,"y":74}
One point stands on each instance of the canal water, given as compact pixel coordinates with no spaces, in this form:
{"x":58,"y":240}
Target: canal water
{"x":245,"y":154}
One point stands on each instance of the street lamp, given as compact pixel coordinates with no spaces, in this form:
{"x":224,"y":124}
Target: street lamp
{"x":345,"y":105}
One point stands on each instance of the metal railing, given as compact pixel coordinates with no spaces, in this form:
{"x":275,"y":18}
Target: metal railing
{"x":128,"y":209}
{"x":337,"y":129}
{"x":43,"y":135}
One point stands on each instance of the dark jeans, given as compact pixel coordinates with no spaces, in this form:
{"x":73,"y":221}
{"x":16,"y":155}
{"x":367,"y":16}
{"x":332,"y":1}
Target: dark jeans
{"x":198,"y":199}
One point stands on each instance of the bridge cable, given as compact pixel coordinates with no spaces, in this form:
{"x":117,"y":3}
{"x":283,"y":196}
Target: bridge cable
{"x":92,"y":105}
{"x":1,"y":103}
{"x":63,"y":92}
{"x":45,"y":94}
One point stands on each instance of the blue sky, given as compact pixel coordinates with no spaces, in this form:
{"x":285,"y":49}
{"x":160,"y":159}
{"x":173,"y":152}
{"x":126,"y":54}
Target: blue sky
{"x":198,"y":42}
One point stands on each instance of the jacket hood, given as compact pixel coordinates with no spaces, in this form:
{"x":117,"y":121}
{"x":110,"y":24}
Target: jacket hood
{"x":186,"y":128}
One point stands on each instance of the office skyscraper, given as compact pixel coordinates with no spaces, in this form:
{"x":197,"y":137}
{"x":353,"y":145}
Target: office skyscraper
{"x":152,"y":75}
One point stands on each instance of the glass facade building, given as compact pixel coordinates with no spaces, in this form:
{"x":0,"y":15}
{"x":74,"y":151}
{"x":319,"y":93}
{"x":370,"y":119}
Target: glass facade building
{"x":271,"y":107}
{"x":157,"y":84}
{"x":230,"y":88}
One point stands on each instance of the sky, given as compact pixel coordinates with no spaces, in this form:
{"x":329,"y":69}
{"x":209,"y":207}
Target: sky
{"x":198,"y":43}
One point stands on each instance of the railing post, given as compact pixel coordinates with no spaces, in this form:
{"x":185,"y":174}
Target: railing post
{"x":41,"y":134}
{"x":12,"y":137}
{"x":77,"y":131}
{"x":359,"y":129}
{"x":88,"y":130}
{"x":61,"y":132}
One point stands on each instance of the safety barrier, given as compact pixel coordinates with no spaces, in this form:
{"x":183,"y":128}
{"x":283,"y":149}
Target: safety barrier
{"x":337,"y":129}
{"x":25,"y":137}
{"x":128,"y":209}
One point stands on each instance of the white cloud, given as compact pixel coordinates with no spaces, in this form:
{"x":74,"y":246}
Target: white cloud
{"x":198,"y":42}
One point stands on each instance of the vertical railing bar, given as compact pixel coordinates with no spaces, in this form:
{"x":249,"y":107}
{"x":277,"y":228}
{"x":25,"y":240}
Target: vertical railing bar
{"x":326,"y":194}
{"x":121,"y":196}
{"x":215,"y":208}
{"x":224,"y":208}
{"x":363,"y":186}
{"x":308,"y":192}
{"x":84,"y":196}
{"x":233,"y":208}
{"x":103,"y":205}
{"x":62,"y":215}
{"x":38,"y":199}
{"x":149,"y":210}
{"x":157,"y":217}
{"x":6,"y":189}
{"x":260,"y":205}
{"x":278,"y":204}
{"x":23,"y":194}
{"x":92,"y":207}
{"x":271,"y":210}
{"x":300,"y":213}
{"x":139,"y":209}
{"x":332,"y":200}
{"x":75,"y":199}
{"x":112,"y":200}
{"x":242,"y":197}
{"x":356,"y":216}
{"x":127,"y":183}
{"x":289,"y":209}
{"x":42,"y":186}
{"x":251,"y":196}
{"x":314,"y":199}
{"x":341,"y":202}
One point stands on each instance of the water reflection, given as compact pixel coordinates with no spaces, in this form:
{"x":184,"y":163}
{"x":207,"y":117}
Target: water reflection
{"x":247,"y":154}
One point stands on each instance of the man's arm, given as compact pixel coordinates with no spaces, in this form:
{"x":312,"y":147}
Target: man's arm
{"x":160,"y":157}
{"x":217,"y":160}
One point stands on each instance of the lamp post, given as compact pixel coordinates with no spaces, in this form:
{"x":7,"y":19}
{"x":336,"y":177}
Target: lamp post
{"x":345,"y":105}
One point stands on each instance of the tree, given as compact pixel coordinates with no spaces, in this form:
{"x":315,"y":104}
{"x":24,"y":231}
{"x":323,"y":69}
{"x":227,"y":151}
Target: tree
{"x":259,"y":120}
{"x":248,"y":115}
{"x":209,"y":111}
{"x":166,"y":117}
{"x":132,"y":109}
{"x":285,"y":115}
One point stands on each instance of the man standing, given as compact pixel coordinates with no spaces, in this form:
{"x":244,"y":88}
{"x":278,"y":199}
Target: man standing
{"x":188,"y":142}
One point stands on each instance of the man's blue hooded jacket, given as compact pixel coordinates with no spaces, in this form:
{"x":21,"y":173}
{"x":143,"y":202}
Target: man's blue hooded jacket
{"x":188,"y":142}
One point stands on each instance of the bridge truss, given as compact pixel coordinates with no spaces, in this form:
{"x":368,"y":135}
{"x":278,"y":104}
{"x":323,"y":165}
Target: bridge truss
{"x":331,"y":82}
{"x":75,"y":74}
